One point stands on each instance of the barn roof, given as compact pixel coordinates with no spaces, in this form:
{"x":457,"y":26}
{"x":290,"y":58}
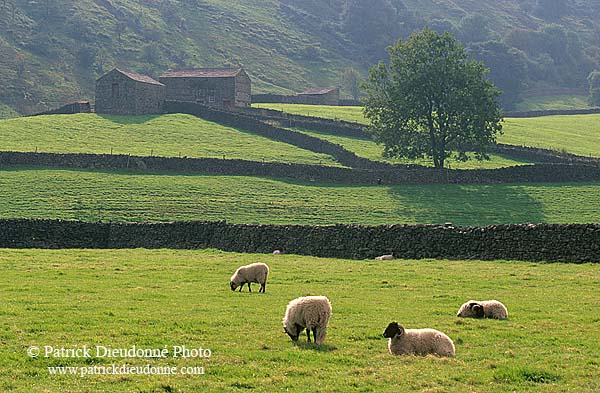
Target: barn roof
{"x":318,"y":91}
{"x":139,"y":77}
{"x":202,"y":73}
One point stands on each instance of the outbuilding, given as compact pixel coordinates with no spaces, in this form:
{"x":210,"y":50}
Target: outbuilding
{"x":122,"y":92}
{"x":321,"y":96}
{"x":217,"y":87}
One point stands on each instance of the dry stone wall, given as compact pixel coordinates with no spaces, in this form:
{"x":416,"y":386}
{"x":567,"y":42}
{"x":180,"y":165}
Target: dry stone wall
{"x":575,"y":243}
{"x":407,"y":174}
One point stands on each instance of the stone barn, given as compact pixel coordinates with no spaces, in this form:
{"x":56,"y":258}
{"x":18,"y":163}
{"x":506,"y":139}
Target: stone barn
{"x":326,"y":96}
{"x":223,"y":88}
{"x":121,"y":92}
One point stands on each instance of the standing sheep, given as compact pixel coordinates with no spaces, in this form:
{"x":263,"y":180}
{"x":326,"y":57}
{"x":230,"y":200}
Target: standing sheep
{"x":418,"y":341}
{"x":310,"y":313}
{"x":255,"y":272}
{"x":483,"y":309}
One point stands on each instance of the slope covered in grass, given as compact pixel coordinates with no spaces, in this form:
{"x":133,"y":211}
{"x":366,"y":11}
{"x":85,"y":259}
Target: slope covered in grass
{"x":127,"y":196}
{"x":155,"y":299}
{"x":373,"y":151}
{"x":578,"y":134}
{"x":167,"y":135}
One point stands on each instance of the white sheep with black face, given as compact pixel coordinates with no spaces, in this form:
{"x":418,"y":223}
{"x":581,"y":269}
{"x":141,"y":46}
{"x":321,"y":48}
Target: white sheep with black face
{"x":311,"y":313}
{"x":418,"y":341}
{"x":255,"y":272}
{"x":483,"y":309}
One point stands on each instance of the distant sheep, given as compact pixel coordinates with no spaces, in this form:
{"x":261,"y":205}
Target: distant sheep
{"x":310,"y":313}
{"x":277,"y":252}
{"x":418,"y":341}
{"x":255,"y":272}
{"x":386,"y":257}
{"x":483,"y":309}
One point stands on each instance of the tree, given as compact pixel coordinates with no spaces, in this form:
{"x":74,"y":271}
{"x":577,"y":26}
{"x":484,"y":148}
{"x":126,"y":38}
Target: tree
{"x":431,"y":101}
{"x":594,"y":80}
{"x":351,"y":82}
{"x":508,"y":68}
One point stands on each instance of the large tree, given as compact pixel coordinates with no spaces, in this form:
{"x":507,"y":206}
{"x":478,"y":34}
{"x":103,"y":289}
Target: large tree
{"x":594,"y":81}
{"x":432,"y":101}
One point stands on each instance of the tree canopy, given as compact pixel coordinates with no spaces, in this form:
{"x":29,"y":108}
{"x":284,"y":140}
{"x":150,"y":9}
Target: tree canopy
{"x":432,"y":101}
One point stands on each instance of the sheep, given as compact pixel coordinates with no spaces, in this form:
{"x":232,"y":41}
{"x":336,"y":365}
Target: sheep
{"x":255,"y":272}
{"x":310,"y":313}
{"x":483,"y":309}
{"x":277,"y":252}
{"x":418,"y":341}
{"x":386,"y":257}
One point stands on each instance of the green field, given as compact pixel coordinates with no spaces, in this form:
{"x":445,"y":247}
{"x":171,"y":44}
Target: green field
{"x":553,"y":102}
{"x":577,"y":134}
{"x":347,"y":113}
{"x":154,"y":299}
{"x":373,"y":151}
{"x":131,"y":196}
{"x":168,"y":135}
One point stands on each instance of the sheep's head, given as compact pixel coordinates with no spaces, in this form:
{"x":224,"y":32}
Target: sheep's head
{"x":233,"y":285}
{"x":393,"y":329}
{"x":471,"y":309}
{"x":293,"y":331}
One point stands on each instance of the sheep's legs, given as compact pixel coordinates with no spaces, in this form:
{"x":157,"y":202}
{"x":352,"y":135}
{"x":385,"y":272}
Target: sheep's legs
{"x":241,"y":286}
{"x":315,"y":334}
{"x":263,"y":287}
{"x":249,"y":289}
{"x":308,"y":334}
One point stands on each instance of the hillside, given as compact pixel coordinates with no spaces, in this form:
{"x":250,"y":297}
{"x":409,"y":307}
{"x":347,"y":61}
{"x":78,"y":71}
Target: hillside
{"x":173,"y":135}
{"x":51,"y":51}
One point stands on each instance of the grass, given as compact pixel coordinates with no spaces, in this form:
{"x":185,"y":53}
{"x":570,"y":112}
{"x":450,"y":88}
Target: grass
{"x":131,"y":196}
{"x":553,"y":102}
{"x":347,"y":113}
{"x":163,"y":298}
{"x":573,"y":133}
{"x":579,"y":134}
{"x":371,"y":150}
{"x":167,"y":135}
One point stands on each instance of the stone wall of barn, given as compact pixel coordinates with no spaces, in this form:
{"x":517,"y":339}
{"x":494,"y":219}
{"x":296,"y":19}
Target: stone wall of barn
{"x":119,"y":95}
{"x":214,"y":92}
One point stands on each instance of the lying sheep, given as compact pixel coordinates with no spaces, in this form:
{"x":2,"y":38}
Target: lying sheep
{"x":255,"y":272}
{"x":483,"y":309}
{"x":386,"y":257}
{"x":310,"y":313}
{"x":418,"y":341}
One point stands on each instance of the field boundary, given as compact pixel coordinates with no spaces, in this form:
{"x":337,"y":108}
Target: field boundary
{"x":409,"y":174}
{"x":553,"y":112}
{"x":574,"y":243}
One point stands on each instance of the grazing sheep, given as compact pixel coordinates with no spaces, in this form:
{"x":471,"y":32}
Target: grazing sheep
{"x":387,"y":257}
{"x":255,"y":272}
{"x":483,"y":309}
{"x":418,"y":341}
{"x":310,"y":313}
{"x":277,"y":252}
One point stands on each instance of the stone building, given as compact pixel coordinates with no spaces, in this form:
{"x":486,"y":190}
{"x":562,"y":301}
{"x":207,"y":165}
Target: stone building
{"x":222,"y":88}
{"x":127,"y":93}
{"x":326,"y":96}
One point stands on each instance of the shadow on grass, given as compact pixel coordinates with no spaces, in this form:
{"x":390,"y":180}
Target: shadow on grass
{"x":128,"y":119}
{"x":315,"y":347}
{"x":467,"y":204}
